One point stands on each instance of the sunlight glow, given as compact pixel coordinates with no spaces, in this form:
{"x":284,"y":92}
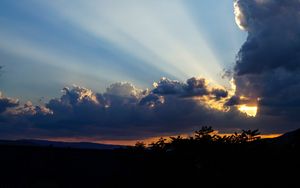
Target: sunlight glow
{"x":219,"y":105}
{"x":208,"y":101}
{"x":211,"y":103}
{"x":249,"y":110}
{"x":147,"y":141}
{"x":238,"y":15}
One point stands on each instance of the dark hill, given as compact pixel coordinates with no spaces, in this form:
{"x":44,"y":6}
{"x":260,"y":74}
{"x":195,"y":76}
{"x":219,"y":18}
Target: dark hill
{"x":57,"y":144}
{"x":190,"y":163}
{"x":290,"y":140}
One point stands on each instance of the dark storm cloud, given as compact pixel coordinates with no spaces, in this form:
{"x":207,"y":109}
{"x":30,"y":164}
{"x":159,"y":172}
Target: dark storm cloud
{"x":121,"y":112}
{"x":219,"y":93}
{"x":268,"y":63}
{"x":166,"y":86}
{"x":273,"y":36}
{"x":6,"y":102}
{"x":152,"y":100}
{"x":237,"y":100}
{"x":192,"y":87}
{"x":234,"y":100}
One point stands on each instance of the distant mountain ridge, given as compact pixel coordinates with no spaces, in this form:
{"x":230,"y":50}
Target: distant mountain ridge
{"x":60,"y":144}
{"x":288,"y":139}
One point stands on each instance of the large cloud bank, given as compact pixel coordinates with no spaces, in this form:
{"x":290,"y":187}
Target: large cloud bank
{"x":267,"y":71}
{"x":122,"y":112}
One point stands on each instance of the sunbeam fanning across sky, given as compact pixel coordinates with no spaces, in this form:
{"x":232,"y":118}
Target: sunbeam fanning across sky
{"x":136,"y":41}
{"x":163,"y":35}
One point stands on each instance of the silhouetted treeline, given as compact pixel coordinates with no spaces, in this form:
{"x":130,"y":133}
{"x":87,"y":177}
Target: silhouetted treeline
{"x":202,"y":160}
{"x":204,"y":137}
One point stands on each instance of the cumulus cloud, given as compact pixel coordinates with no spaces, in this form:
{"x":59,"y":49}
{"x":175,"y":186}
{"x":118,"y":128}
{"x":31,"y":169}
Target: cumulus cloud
{"x":166,"y":86}
{"x":152,"y":100}
{"x":219,"y":93}
{"x":239,"y":15}
{"x":192,"y":88}
{"x":123,"y":112}
{"x":28,"y":109}
{"x":6,"y":103}
{"x":123,"y":93}
{"x":268,"y":64}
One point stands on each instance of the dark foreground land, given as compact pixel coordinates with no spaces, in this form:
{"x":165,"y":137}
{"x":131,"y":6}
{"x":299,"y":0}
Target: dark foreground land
{"x":203,"y":161}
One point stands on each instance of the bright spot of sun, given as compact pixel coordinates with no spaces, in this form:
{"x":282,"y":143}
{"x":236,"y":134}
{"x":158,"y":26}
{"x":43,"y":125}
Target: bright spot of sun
{"x":249,"y":110}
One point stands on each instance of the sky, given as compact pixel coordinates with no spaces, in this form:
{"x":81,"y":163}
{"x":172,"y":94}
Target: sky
{"x":119,"y":71}
{"x":97,"y":43}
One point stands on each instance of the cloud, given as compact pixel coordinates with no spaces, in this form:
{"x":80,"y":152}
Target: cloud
{"x":6,"y":103}
{"x":123,"y":111}
{"x":193,"y":87}
{"x":152,"y":100}
{"x":239,"y":15}
{"x":219,"y":93}
{"x":123,"y":93}
{"x":166,"y":86}
{"x":28,"y":109}
{"x":268,"y":64}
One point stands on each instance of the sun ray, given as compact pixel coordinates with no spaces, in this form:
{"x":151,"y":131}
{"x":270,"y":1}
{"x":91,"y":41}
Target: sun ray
{"x":149,"y":32}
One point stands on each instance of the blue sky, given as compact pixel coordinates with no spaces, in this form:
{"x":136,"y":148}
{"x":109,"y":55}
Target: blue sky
{"x":46,"y":45}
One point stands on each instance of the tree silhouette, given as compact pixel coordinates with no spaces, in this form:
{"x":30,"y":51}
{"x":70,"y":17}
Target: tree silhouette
{"x":159,"y":145}
{"x":204,"y":134}
{"x":176,"y":140}
{"x":202,"y":138}
{"x":140,"y":146}
{"x":251,"y":135}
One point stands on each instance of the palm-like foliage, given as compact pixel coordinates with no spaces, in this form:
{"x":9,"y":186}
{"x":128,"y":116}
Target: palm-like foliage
{"x":251,"y":135}
{"x":159,"y":145}
{"x":204,"y":134}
